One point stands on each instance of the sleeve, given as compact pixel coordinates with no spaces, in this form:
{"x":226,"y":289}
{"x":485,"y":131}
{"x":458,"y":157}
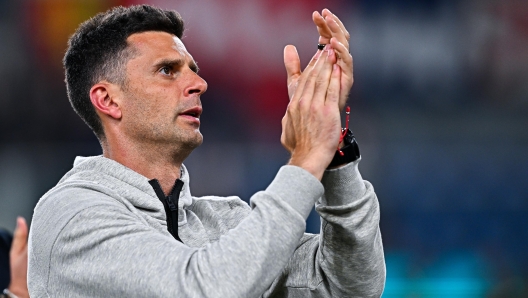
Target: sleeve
{"x":105,"y":250}
{"x":346,"y":259}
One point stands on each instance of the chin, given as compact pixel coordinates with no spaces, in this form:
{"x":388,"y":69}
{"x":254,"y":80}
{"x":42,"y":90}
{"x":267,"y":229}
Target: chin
{"x":195,"y":141}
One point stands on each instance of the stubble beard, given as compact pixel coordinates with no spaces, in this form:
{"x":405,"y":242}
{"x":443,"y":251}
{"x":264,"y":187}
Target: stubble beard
{"x":173,"y":141}
{"x":157,"y":136}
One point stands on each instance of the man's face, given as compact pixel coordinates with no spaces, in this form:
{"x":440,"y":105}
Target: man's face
{"x":161,"y":101}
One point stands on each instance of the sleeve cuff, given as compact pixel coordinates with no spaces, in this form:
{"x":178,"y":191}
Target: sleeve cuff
{"x":297,"y":187}
{"x":342,"y":185}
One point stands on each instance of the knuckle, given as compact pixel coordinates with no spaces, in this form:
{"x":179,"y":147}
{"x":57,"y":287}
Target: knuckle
{"x":332,"y":93}
{"x":319,"y":81}
{"x":315,"y":109}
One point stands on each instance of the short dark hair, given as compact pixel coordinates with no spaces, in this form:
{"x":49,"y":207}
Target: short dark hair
{"x":98,"y":50}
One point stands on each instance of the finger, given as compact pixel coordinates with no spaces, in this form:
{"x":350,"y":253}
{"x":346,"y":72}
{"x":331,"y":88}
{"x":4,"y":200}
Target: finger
{"x":323,"y":79}
{"x":332,"y":95}
{"x":346,"y":64}
{"x":303,"y":78}
{"x":293,"y":66}
{"x":322,"y":27}
{"x":20,"y":236}
{"x":305,"y":100}
{"x":337,"y":32}
{"x":344,"y":56}
{"x":292,"y":63}
{"x":313,"y":60}
{"x":326,"y":12}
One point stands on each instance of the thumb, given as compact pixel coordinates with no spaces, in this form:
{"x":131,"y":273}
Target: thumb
{"x":292,"y":63}
{"x":20,"y":236}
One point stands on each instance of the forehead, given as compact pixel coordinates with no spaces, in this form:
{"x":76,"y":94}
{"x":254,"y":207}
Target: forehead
{"x":156,"y":44}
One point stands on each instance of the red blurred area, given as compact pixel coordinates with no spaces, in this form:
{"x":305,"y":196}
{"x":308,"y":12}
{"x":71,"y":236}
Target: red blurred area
{"x":244,"y":53}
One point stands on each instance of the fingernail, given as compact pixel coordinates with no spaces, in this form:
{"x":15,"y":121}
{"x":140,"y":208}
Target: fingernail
{"x":317,"y":54}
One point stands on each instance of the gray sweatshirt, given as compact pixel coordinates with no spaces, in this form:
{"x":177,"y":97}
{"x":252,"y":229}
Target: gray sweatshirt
{"x":102,"y":232}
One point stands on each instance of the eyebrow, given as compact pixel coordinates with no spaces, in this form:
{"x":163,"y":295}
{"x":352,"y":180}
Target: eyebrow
{"x":177,"y":63}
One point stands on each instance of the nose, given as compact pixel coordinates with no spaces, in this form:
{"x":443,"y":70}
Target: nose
{"x":198,"y":85}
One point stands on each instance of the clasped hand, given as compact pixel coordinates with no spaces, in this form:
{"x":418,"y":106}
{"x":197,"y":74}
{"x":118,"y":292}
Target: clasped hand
{"x":311,"y":125}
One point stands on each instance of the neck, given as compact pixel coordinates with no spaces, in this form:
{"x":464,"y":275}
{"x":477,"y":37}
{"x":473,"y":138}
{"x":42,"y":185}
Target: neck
{"x":161,"y":162}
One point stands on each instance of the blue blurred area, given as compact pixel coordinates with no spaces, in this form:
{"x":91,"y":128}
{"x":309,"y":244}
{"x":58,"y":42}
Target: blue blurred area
{"x":454,"y":275}
{"x":439,"y":107}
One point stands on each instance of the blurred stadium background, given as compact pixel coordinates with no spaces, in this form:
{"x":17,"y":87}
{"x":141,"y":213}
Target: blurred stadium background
{"x":439,"y":107}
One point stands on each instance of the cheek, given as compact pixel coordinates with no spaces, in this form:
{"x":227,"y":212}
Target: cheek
{"x":153,"y":102}
{"x":136,"y":109}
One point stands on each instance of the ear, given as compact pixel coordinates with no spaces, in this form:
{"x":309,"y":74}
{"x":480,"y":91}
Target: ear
{"x":103,"y":98}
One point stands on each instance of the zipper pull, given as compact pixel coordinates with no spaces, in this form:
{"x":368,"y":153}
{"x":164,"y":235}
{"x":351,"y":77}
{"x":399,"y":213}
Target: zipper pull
{"x":171,"y":204}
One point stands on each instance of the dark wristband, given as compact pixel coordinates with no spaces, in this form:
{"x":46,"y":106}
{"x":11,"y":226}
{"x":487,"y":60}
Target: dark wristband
{"x":350,"y":151}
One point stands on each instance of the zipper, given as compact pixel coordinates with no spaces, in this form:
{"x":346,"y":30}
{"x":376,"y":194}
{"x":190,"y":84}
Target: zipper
{"x":170,"y":205}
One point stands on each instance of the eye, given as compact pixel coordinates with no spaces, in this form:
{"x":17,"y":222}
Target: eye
{"x":166,"y":70}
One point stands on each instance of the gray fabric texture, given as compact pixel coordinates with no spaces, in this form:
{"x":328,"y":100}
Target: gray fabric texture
{"x":102,"y":232}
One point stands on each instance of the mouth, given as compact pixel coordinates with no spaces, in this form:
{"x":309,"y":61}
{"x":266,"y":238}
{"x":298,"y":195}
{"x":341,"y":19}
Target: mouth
{"x":193,"y":112}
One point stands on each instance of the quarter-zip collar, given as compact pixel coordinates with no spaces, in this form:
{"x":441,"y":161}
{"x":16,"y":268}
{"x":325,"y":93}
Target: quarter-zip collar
{"x":170,"y":203}
{"x":139,"y":183}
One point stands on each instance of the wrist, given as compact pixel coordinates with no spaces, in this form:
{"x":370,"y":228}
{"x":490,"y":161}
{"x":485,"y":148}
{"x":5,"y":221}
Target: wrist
{"x":348,"y":151}
{"x":313,"y":165}
{"x":19,"y":292}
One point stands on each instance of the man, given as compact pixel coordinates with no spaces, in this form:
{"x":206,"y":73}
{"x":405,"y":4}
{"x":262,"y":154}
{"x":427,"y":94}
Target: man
{"x":125,"y":224}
